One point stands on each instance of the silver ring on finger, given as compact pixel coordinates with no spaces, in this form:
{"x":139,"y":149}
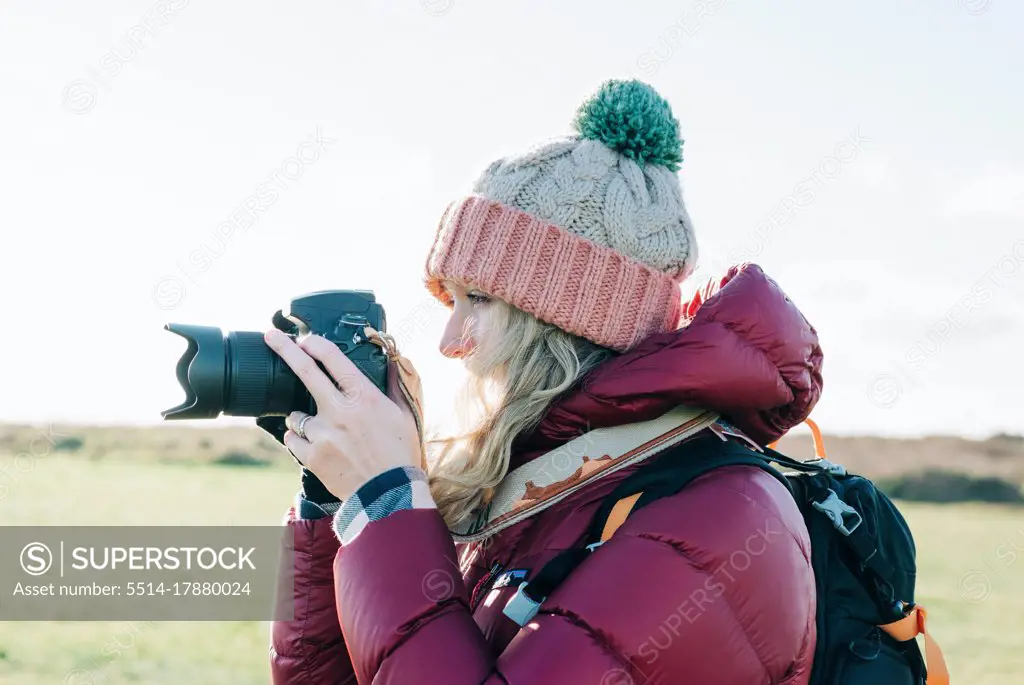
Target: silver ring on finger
{"x":300,"y":429}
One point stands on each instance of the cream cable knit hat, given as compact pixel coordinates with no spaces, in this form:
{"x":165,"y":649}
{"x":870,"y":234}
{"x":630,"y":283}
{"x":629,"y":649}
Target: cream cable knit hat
{"x":589,"y":231}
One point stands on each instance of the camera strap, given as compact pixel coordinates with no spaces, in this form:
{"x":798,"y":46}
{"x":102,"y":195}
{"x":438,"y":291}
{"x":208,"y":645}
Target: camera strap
{"x":404,"y":385}
{"x":551,"y":477}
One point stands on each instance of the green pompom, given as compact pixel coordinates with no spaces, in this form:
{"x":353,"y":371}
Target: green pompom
{"x":631,"y":118}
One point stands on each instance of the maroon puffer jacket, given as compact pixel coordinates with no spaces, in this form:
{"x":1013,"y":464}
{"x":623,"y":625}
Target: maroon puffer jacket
{"x":712,"y":585}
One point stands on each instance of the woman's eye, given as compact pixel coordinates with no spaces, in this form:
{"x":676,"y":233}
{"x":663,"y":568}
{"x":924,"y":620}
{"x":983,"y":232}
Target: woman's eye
{"x":478,"y":298}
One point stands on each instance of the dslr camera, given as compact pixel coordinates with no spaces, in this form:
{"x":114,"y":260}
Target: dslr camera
{"x":237,"y":374}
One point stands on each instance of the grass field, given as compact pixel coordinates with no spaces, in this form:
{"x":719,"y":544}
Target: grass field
{"x":971,"y":576}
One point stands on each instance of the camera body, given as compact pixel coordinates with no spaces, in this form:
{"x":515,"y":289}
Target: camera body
{"x":237,"y":374}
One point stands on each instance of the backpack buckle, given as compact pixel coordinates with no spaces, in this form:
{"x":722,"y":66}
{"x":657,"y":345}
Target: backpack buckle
{"x":833,"y":468}
{"x":521,"y":608}
{"x":839,"y":512}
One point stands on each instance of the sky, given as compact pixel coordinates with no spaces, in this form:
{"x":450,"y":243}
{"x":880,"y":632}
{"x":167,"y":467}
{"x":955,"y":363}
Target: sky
{"x":869,"y":156}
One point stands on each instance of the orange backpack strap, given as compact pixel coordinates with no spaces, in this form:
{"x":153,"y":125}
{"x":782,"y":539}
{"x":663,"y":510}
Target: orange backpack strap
{"x":618,"y":515}
{"x":819,"y":442}
{"x":909,"y":627}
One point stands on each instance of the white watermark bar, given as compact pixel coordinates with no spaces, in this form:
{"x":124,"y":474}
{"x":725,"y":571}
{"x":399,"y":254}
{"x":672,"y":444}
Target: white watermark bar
{"x":146,"y":573}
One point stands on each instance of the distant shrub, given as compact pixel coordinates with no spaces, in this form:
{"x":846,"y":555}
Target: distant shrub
{"x":946,"y":486}
{"x":1004,"y":445}
{"x":269,"y":445}
{"x":239,"y":458}
{"x":71,"y":444}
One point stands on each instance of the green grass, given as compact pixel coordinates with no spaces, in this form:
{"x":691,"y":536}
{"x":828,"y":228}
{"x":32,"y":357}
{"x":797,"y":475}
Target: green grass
{"x":64,"y":491}
{"x":971,"y":576}
{"x":971,"y":579}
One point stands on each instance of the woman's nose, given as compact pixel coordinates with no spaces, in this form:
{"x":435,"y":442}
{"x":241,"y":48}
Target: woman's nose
{"x":455,"y":348}
{"x":455,"y":342}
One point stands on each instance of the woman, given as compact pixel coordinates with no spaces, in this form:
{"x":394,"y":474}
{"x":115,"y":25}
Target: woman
{"x":562,"y":271}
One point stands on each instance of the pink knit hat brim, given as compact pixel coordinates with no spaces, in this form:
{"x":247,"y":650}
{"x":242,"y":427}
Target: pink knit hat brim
{"x":583,"y":288}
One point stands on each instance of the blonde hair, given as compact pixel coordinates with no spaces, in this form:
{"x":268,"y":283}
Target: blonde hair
{"x":518,"y":367}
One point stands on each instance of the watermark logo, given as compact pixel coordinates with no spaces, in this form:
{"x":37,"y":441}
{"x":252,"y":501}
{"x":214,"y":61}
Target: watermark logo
{"x":25,"y":462}
{"x":121,"y":642}
{"x":885,"y":390}
{"x":36,"y":558}
{"x":975,"y":7}
{"x":975,"y":586}
{"x":117,"y":573}
{"x":169,"y":291}
{"x":349,"y":390}
{"x":438,"y":585}
{"x":825,"y":171}
{"x":437,"y":8}
{"x":80,"y":95}
{"x":686,"y":25}
{"x":716,"y":584}
{"x":617,"y":676}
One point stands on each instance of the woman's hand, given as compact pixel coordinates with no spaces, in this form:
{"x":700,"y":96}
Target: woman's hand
{"x":358,"y":432}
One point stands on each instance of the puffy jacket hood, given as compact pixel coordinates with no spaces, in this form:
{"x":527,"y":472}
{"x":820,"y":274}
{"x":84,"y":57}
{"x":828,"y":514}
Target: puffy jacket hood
{"x":744,"y":349}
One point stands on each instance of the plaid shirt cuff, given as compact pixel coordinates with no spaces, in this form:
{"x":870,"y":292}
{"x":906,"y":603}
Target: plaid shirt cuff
{"x":403,"y":487}
{"x":309,"y":510}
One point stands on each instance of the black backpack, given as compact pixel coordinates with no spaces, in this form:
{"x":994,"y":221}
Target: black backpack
{"x":862,"y":552}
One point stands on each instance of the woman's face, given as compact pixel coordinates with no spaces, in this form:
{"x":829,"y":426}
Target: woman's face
{"x":466,"y":325}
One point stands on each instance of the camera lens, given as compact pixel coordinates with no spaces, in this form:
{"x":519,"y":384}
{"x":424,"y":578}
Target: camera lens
{"x":237,"y":375}
{"x":258,"y":382}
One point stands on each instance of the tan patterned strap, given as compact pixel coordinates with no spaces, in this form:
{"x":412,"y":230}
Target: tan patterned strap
{"x":551,"y":477}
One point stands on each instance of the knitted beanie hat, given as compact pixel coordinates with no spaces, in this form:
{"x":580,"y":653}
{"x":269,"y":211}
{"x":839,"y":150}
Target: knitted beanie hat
{"x":587,"y":232}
